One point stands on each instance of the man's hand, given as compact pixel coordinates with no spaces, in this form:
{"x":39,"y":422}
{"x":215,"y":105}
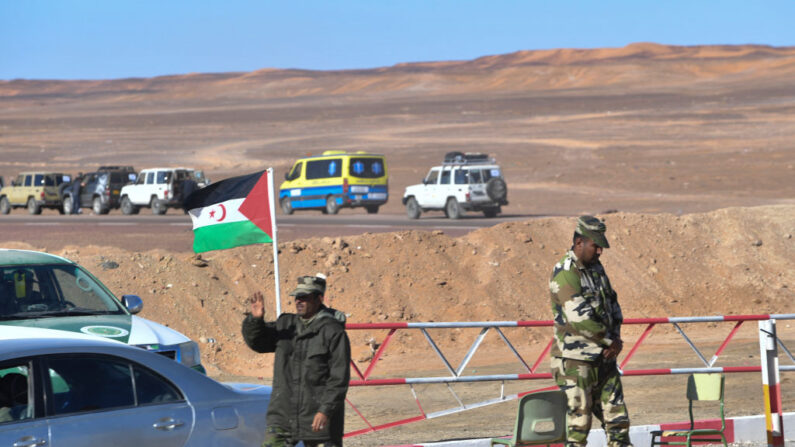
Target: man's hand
{"x":257,"y":305}
{"x":614,"y":349}
{"x":320,"y":422}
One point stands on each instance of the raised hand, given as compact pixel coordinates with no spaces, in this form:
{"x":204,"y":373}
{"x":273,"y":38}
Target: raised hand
{"x":257,"y":305}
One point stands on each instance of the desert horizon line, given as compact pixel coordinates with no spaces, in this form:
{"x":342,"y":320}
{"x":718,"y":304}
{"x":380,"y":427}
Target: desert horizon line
{"x":641,"y":48}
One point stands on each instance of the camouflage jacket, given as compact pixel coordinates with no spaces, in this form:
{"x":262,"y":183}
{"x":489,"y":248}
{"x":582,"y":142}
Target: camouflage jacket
{"x":585,"y":310}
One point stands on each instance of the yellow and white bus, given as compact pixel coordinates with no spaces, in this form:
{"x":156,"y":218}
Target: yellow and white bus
{"x":334,"y":180}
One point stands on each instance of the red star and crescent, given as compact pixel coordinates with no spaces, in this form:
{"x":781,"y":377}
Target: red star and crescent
{"x":223,"y":213}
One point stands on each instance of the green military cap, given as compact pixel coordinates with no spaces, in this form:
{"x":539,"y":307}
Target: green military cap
{"x":310,"y":285}
{"x":593,"y":229}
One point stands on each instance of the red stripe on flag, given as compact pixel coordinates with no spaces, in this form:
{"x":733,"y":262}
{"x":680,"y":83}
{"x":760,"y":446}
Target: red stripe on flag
{"x":256,"y":206}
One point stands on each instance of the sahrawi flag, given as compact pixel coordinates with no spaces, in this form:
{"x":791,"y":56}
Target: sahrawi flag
{"x":231,"y":213}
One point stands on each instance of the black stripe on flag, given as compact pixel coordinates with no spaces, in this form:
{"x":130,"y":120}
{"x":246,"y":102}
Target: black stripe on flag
{"x":227,"y":189}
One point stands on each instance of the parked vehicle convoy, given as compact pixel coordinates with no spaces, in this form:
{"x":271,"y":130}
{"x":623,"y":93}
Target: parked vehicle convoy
{"x":46,"y":291}
{"x":159,"y":189}
{"x":101,"y":190}
{"x":34,"y":191}
{"x":463,"y":182}
{"x":335,"y":180}
{"x":63,"y":389}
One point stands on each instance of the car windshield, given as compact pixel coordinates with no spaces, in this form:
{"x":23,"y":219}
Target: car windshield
{"x":37,"y":291}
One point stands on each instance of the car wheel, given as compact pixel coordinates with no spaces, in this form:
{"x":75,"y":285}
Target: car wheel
{"x":496,"y":189}
{"x":491,"y":212}
{"x":413,"y":208}
{"x":331,"y":205}
{"x":127,"y":206}
{"x":68,"y":205}
{"x":96,"y":206}
{"x":371,"y":209}
{"x":287,"y":206}
{"x":5,"y":207}
{"x":158,"y":207}
{"x":33,"y":207}
{"x":452,"y":208}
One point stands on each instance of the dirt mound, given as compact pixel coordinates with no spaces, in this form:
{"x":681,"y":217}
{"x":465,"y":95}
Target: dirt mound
{"x":730,"y":261}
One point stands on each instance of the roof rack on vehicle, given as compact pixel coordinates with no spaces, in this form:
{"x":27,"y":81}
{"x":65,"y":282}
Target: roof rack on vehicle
{"x":468,"y":158}
{"x":116,"y":168}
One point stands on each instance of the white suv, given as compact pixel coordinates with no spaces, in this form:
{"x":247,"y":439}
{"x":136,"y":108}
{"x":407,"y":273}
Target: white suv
{"x":160,"y":189}
{"x":464,"y":182}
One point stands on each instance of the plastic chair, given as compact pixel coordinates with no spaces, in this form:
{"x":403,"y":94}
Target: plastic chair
{"x":541,"y":419}
{"x":700,"y":387}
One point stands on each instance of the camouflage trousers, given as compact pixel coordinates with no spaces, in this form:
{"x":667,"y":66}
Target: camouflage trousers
{"x":592,"y":388}
{"x":279,"y":437}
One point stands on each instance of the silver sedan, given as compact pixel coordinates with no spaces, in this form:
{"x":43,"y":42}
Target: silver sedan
{"x":82,"y":391}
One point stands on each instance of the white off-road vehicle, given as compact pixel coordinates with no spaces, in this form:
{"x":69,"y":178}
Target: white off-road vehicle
{"x":160,"y":189}
{"x":463,"y":182}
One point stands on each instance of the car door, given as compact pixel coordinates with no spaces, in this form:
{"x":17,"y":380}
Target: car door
{"x":105,"y":400}
{"x":428,"y":198}
{"x":87,"y":191}
{"x":163,"y":185}
{"x":24,"y":191}
{"x":446,"y":187}
{"x":21,"y":421}
{"x":138,"y":192}
{"x":477,"y":187}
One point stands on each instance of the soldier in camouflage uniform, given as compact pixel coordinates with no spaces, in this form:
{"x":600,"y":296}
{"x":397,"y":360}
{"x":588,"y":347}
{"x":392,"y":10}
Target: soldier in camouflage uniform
{"x":588,"y":338}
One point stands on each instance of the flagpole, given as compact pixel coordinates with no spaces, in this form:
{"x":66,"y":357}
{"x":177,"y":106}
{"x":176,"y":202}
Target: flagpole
{"x":272,"y":204}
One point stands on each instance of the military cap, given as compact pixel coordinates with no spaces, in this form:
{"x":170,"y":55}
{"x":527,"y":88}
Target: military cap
{"x":310,"y":285}
{"x":593,"y":229}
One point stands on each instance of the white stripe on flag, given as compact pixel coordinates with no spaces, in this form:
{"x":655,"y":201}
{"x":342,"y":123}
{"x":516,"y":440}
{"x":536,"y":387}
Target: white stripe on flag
{"x":224,"y":212}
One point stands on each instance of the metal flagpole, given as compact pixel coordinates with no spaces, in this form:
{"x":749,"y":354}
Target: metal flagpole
{"x":272,"y":205}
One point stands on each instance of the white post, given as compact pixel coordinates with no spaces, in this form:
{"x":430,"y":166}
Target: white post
{"x":272,"y":204}
{"x":771,"y":387}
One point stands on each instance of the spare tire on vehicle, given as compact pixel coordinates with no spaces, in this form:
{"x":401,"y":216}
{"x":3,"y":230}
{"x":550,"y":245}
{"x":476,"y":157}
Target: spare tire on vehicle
{"x":496,"y":189}
{"x":454,"y":157}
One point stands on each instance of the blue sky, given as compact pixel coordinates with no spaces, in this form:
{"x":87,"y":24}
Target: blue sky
{"x":103,"y":39}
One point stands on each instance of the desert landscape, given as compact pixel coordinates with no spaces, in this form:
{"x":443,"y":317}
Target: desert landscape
{"x":686,"y":152}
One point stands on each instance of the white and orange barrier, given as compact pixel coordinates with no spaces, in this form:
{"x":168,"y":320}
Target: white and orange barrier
{"x":457,"y":374}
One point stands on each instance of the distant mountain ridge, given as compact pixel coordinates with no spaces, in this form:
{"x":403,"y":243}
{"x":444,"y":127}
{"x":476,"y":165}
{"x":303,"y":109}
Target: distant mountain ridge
{"x":635,"y":65}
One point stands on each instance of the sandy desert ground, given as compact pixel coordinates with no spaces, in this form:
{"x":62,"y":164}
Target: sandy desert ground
{"x":686,"y":152}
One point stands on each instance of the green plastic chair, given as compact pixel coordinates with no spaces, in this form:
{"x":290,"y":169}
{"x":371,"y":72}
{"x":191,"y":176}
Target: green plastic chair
{"x":541,"y":419}
{"x":700,"y":387}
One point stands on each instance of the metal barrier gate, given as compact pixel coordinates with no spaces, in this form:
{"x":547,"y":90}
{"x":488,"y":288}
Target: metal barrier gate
{"x":765,"y":364}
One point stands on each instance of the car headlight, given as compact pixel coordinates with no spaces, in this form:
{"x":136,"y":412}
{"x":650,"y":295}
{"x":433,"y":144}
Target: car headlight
{"x":189,"y":353}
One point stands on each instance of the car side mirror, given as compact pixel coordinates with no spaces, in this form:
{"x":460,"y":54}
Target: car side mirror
{"x":133,"y":303}
{"x":287,"y":176}
{"x":425,"y":181}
